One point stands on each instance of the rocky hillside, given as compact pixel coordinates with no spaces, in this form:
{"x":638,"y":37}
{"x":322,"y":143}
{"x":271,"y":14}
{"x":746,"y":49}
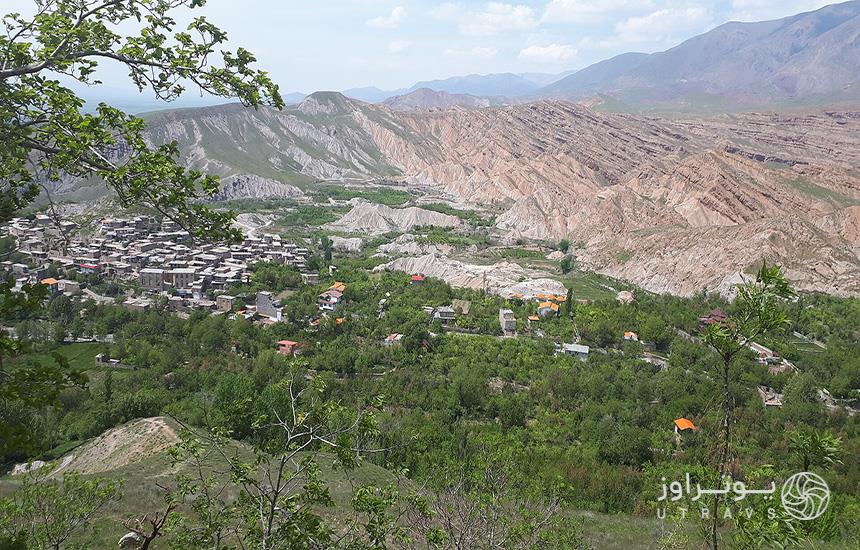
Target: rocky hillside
{"x":378,"y":219}
{"x":810,"y":57}
{"x":249,"y":186}
{"x":671,"y":204}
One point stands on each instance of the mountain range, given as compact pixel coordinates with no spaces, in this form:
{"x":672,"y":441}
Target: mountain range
{"x":811,"y":58}
{"x":490,"y":85}
{"x":674,"y":205}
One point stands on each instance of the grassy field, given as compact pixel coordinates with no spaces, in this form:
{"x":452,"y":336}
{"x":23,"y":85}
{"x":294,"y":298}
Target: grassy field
{"x":589,"y":286}
{"x":81,"y":356}
{"x":380,"y":195}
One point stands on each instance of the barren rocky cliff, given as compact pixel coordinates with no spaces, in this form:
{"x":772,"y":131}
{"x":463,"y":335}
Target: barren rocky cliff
{"x":673,"y":205}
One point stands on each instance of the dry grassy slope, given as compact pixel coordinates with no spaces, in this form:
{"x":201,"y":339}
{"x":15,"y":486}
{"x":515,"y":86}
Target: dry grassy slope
{"x":136,"y":453}
{"x":624,"y":185}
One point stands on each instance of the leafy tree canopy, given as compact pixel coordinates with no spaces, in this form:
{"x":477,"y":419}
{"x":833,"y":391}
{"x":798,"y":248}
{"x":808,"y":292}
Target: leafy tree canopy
{"x":46,"y":134}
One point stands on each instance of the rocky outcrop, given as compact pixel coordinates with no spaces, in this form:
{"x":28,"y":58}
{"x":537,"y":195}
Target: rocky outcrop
{"x":504,"y":278}
{"x":376,"y":219}
{"x":346,"y":244}
{"x":409,"y":245}
{"x":249,"y":186}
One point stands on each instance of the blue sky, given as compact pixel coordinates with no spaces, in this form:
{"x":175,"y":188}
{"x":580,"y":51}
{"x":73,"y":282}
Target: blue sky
{"x":338,"y":44}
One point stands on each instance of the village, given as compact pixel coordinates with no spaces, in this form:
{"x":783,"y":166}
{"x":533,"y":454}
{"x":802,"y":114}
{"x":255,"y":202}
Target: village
{"x":157,"y":260}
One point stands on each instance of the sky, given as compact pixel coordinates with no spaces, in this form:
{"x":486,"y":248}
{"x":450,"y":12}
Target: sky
{"x":339,"y":44}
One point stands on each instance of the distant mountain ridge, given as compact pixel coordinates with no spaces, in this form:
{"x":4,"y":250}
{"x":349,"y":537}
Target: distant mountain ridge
{"x":481,"y":85}
{"x":812,"y":57}
{"x":425,"y":98}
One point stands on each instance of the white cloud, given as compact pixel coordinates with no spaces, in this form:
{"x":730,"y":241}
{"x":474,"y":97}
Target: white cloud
{"x":761,"y":10}
{"x":446,"y":11}
{"x":399,"y":46}
{"x":550,"y":54}
{"x":662,"y":25}
{"x":588,"y":12}
{"x":478,"y":52}
{"x":392,"y":21}
{"x":494,"y":18}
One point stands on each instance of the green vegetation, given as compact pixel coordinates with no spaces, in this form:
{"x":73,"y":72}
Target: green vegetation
{"x":598,"y":434}
{"x":379,"y":195}
{"x":519,"y":253}
{"x":444,"y":235}
{"x":313,"y":216}
{"x":474,"y":218}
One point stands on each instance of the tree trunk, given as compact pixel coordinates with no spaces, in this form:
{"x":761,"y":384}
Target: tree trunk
{"x":723,"y":460}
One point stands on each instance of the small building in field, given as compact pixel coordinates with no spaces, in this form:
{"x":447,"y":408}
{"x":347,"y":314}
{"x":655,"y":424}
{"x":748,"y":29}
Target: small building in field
{"x":683,"y":424}
{"x":268,"y":307}
{"x":290,"y":348}
{"x":225,"y":302}
{"x":445,"y":315}
{"x":715,"y":317}
{"x":311,"y":278}
{"x":52,"y":284}
{"x":137,"y":304}
{"x":329,"y":300}
{"x":631,"y":336}
{"x":392,"y":340}
{"x":547,"y":309}
{"x":416,"y":279}
{"x":579,"y":351}
{"x":508,"y":322}
{"x":68,"y":287}
{"x":769,"y":397}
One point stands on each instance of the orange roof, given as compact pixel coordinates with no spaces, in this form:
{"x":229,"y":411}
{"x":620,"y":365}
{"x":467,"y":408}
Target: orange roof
{"x":287,"y":343}
{"x":541,"y":296}
{"x":534,"y":318}
{"x":49,"y":281}
{"x":340,"y":320}
{"x":560,"y":298}
{"x":338,"y":286}
{"x":684,"y":424}
{"x":550,"y":305}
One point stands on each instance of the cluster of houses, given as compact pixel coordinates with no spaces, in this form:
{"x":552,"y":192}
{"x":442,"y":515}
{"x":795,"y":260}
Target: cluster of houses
{"x":329,"y":300}
{"x":158,"y":255}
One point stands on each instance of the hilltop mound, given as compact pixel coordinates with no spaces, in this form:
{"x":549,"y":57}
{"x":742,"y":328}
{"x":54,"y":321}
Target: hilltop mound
{"x":504,"y":278}
{"x":249,"y":186}
{"x":376,"y":219}
{"x":121,"y":446}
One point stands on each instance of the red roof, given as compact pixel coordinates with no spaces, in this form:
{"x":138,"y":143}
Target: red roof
{"x":417,"y":278}
{"x":684,"y":424}
{"x":288,"y":343}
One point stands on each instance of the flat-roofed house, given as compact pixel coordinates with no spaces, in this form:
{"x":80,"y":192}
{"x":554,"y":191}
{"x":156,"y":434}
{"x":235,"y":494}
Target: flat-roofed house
{"x":508,"y":322}
{"x":151,"y":278}
{"x":225,"y":302}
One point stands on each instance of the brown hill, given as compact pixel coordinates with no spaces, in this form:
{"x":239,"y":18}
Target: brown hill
{"x":671,"y":204}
